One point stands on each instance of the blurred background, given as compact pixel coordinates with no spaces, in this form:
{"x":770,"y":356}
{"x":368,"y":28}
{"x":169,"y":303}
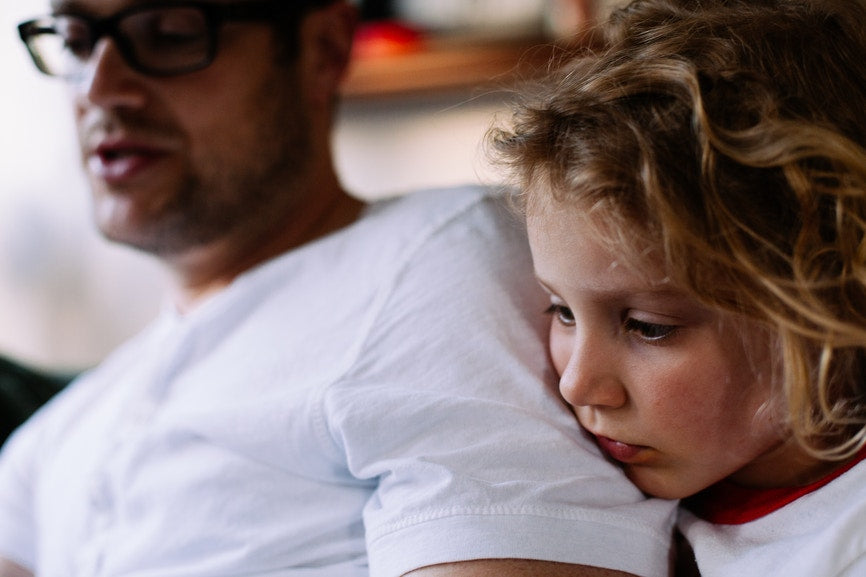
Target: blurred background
{"x":428,"y":80}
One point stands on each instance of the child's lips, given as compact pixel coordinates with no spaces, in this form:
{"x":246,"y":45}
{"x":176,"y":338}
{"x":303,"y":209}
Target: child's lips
{"x":622,"y":452}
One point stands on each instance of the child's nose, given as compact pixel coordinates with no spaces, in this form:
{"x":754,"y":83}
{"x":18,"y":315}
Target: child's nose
{"x":591,"y":377}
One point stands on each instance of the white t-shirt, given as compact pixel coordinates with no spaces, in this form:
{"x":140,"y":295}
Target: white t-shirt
{"x":821,"y":534}
{"x":374,"y":402}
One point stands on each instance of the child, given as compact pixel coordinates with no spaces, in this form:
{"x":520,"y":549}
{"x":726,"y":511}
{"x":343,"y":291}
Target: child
{"x":695,"y":189}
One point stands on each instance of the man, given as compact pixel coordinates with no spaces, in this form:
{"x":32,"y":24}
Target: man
{"x":337,"y":390}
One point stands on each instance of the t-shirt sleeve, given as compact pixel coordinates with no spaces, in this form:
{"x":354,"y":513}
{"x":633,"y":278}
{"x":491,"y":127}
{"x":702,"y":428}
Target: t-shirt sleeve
{"x":452,"y":408}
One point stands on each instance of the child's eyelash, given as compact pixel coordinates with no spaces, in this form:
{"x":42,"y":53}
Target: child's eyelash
{"x":653,"y":332}
{"x":562,"y":313}
{"x":650,"y":332}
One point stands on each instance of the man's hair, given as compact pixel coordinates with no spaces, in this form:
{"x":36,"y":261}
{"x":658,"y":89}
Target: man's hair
{"x":730,"y":134}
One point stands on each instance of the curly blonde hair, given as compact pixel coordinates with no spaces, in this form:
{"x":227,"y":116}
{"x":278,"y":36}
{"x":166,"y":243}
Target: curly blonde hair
{"x":732,"y":135}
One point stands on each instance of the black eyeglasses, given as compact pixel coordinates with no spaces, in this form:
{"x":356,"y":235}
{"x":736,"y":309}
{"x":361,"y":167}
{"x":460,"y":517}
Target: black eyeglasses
{"x":157,"y":39}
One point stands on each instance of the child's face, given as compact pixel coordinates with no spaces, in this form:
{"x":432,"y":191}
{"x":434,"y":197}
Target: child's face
{"x":678,"y":394}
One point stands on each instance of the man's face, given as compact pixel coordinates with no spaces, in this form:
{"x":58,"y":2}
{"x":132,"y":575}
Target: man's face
{"x":180,"y":162}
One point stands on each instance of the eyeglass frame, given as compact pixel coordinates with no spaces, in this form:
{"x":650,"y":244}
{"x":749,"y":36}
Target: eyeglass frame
{"x":215,"y":14}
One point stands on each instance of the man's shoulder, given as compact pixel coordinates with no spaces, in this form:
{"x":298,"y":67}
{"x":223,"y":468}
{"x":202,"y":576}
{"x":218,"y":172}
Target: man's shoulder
{"x":444,"y":197}
{"x":440,"y":205}
{"x":470,"y":213}
{"x":447,"y":242}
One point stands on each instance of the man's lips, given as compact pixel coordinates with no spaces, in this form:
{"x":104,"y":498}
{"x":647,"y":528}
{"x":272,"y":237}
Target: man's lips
{"x":622,"y":452}
{"x":118,"y":162}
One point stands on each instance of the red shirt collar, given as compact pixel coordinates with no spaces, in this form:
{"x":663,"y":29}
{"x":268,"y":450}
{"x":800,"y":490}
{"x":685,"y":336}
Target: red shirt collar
{"x":727,"y":503}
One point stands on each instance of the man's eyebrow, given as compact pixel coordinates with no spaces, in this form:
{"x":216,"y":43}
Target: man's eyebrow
{"x":67,"y":7}
{"x":76,"y":7}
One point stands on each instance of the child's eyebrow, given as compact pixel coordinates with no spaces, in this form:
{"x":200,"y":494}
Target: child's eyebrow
{"x":544,"y":286}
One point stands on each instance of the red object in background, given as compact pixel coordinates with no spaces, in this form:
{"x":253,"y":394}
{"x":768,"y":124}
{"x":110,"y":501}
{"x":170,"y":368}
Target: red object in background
{"x":386,"y":38}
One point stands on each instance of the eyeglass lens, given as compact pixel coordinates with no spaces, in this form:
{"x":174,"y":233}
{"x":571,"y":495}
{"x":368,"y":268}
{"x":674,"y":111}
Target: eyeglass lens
{"x":168,"y":39}
{"x":164,"y":40}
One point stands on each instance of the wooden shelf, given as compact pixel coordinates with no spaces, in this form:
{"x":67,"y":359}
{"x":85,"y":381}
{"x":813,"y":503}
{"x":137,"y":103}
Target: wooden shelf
{"x":444,"y":64}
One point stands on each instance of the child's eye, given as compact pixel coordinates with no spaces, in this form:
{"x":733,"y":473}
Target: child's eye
{"x":561,"y":313}
{"x":649,"y":331}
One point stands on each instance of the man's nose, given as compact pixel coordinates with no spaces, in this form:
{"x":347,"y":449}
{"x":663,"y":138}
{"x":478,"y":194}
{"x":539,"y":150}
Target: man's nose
{"x":108,"y":80}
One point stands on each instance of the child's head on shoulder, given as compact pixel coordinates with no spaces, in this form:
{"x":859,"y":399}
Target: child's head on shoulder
{"x":694,"y":183}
